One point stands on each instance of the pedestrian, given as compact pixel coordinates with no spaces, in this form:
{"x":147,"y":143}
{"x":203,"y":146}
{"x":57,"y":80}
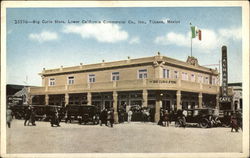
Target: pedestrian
{"x":234,"y":123}
{"x":110,"y":117}
{"x":32,"y":117}
{"x":8,"y":116}
{"x":130,"y":113}
{"x":166,"y":117}
{"x":103,"y":117}
{"x":239,"y":119}
{"x":27,"y":115}
{"x":55,"y":119}
{"x":161,"y":121}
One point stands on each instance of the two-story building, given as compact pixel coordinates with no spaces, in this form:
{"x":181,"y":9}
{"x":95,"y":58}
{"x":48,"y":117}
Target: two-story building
{"x":156,"y":82}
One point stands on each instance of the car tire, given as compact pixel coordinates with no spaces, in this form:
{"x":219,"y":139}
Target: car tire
{"x":204,"y":123}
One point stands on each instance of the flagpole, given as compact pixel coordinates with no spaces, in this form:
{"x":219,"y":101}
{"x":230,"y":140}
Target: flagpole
{"x":191,"y":38}
{"x":191,"y":45}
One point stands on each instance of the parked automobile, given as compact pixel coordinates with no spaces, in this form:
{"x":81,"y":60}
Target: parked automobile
{"x":18,"y":111}
{"x":82,"y":113}
{"x":204,"y":117}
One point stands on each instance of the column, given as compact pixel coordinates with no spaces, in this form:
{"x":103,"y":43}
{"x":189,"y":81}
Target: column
{"x":115,"y":102}
{"x":200,"y":100}
{"x":89,"y":98}
{"x":217,"y":106}
{"x":46,"y":99}
{"x":158,"y":107}
{"x":145,"y":98}
{"x":178,"y":99}
{"x":66,"y":98}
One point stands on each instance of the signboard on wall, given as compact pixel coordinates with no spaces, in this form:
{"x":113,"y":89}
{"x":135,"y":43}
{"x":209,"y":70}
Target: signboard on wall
{"x":224,"y":88}
{"x":224,"y":72}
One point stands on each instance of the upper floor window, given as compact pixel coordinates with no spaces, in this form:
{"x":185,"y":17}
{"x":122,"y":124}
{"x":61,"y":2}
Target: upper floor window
{"x":115,"y":76}
{"x":206,"y":80}
{"x":142,"y":73}
{"x":71,"y":80}
{"x":184,"y":76}
{"x":52,"y":82}
{"x":166,"y":73}
{"x":214,"y":80}
{"x":193,"y":77}
{"x":200,"y":78}
{"x":91,"y":78}
{"x":176,"y":74}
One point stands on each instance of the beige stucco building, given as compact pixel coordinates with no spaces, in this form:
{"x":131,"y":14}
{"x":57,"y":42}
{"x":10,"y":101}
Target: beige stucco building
{"x":156,"y":82}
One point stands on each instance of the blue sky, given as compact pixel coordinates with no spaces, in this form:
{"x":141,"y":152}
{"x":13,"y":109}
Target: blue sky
{"x":31,"y":47}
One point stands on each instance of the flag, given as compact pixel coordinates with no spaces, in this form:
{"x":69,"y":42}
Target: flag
{"x":195,"y":32}
{"x":199,"y":34}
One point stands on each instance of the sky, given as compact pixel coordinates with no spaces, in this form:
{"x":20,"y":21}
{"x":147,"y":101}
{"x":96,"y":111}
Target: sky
{"x":47,"y":44}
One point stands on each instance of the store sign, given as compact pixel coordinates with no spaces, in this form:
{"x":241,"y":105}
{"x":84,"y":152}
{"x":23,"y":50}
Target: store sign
{"x":224,"y":72}
{"x":224,"y":87}
{"x":162,"y":81}
{"x":225,"y":99}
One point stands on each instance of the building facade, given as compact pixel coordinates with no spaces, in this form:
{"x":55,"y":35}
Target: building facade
{"x":155,"y":82}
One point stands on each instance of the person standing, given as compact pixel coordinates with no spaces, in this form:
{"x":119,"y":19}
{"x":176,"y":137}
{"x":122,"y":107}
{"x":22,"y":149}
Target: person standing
{"x":32,"y":117}
{"x":55,"y":119}
{"x":130,"y":113}
{"x":110,"y":117}
{"x":27,"y":115}
{"x":103,"y":117}
{"x":234,"y":123}
{"x":8,"y":116}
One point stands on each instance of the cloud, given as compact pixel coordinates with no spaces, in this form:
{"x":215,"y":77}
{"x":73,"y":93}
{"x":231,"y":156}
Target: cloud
{"x":210,"y":39}
{"x":43,"y":36}
{"x":134,"y":40}
{"x":106,"y":33}
{"x":232,"y":33}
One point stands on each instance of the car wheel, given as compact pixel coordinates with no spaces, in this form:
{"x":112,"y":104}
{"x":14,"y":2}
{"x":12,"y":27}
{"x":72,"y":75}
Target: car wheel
{"x":204,"y":123}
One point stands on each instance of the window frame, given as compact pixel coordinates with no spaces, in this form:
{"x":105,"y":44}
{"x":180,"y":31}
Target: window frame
{"x":166,"y":73}
{"x":91,"y":78}
{"x":115,"y":77}
{"x":71,"y":80}
{"x":52,"y":82}
{"x":144,"y":74}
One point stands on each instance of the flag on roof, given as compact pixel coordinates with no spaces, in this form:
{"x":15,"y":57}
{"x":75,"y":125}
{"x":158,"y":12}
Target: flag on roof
{"x":195,"y":32}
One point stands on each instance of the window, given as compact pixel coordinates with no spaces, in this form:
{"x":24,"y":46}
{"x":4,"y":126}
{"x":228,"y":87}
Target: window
{"x":71,"y":80}
{"x":200,"y":78}
{"x":115,"y":76}
{"x":206,"y":80}
{"x":52,"y":82}
{"x":193,"y":77}
{"x":176,"y":75}
{"x":142,"y":73}
{"x":91,"y":78}
{"x":184,"y":76}
{"x":166,"y":73}
{"x":214,"y":80}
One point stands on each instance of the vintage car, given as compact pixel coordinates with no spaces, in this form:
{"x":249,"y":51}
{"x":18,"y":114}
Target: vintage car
{"x":204,"y":117}
{"x":18,"y":111}
{"x":82,"y":113}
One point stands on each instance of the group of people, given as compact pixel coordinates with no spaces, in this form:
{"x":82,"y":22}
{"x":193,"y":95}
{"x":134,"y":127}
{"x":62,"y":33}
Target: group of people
{"x":107,"y":117}
{"x":30,"y":116}
{"x":164,"y":118}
